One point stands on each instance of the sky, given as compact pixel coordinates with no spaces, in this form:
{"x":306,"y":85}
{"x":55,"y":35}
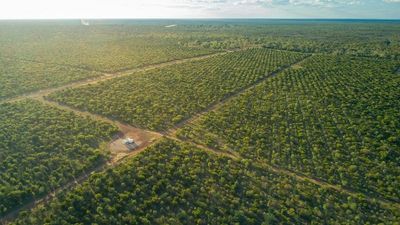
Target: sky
{"x":81,"y":9}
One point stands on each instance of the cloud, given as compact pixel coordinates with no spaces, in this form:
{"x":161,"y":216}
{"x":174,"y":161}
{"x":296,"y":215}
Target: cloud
{"x":326,"y":3}
{"x":316,"y":3}
{"x":269,"y":3}
{"x":14,"y":9}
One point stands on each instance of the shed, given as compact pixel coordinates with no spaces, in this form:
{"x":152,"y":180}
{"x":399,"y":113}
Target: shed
{"x":129,"y":143}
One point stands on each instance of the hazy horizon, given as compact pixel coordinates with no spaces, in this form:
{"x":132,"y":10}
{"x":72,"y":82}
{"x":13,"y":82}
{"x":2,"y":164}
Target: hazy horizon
{"x":199,"y":18}
{"x":200,"y":9}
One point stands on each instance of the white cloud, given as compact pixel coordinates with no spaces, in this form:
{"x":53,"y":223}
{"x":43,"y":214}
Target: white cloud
{"x":329,"y":3}
{"x":197,"y":8}
{"x":316,"y":3}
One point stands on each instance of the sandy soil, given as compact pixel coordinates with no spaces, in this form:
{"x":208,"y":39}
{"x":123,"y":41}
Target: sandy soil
{"x":141,"y":137}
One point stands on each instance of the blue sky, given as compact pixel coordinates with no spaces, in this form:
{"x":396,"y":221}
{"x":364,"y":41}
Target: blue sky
{"x":38,"y":9}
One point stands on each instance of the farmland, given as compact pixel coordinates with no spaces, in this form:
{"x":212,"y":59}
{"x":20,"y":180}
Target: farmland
{"x":42,"y":148}
{"x":101,"y":48}
{"x":173,"y":183}
{"x":19,"y":77}
{"x":232,"y":122}
{"x":332,"y":118}
{"x":160,"y":98}
{"x":308,"y":36}
{"x":49,"y":56}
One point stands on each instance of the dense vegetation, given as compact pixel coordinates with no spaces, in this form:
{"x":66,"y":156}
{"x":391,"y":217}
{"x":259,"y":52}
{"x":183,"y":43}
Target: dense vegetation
{"x":370,"y":39}
{"x":335,"y":118}
{"x":174,"y":183}
{"x":113,"y":46}
{"x":42,"y":148}
{"x":159,"y":98}
{"x":119,"y":46}
{"x":102,"y":48}
{"x":18,"y":77}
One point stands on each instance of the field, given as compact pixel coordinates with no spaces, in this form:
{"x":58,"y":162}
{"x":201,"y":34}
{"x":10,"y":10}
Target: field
{"x":42,"y":148}
{"x":174,"y":183}
{"x":46,"y":54}
{"x":19,"y":77}
{"x":233,"y":122}
{"x":365,"y":39}
{"x":333,"y":118}
{"x":160,"y":98}
{"x":102,"y":48}
{"x":36,"y":56}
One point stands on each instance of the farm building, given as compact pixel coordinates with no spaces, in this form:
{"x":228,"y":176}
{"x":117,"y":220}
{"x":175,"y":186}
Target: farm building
{"x":129,"y":143}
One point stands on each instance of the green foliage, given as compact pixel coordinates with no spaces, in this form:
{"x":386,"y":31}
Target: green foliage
{"x":98,"y":47}
{"x":159,"y":98}
{"x":358,"y":39}
{"x":42,"y":148}
{"x":18,"y":77}
{"x":173,"y":183}
{"x":65,"y":48}
{"x":335,"y":118}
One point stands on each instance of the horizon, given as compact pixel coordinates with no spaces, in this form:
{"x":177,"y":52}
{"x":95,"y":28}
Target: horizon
{"x":201,"y":18}
{"x":200,"y":9}
{"x":261,"y":112}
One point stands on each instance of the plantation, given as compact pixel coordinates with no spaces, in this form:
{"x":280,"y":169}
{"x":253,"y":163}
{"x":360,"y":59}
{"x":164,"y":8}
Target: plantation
{"x":367,"y":39}
{"x":160,"y":98}
{"x":111,"y":47}
{"x":228,"y":121}
{"x":99,"y":47}
{"x":334,"y":118}
{"x":173,"y":183}
{"x":19,"y":77}
{"x":42,"y":148}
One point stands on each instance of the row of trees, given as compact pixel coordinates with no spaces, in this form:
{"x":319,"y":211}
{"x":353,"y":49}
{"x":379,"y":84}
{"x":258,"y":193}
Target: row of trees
{"x":336,"y":118}
{"x":367,"y":39}
{"x":160,"y":98}
{"x":18,"y":77}
{"x":115,"y":48}
{"x":378,"y":48}
{"x":101,"y":48}
{"x":42,"y":148}
{"x":173,"y":183}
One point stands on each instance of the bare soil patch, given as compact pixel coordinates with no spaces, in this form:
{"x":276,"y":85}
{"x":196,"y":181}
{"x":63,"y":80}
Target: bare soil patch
{"x":142,"y":138}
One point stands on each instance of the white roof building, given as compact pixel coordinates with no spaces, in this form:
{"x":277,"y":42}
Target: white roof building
{"x":129,"y":143}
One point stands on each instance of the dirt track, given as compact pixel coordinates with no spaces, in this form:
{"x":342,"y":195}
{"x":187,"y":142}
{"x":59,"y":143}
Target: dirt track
{"x":106,"y":76}
{"x":147,"y":138}
{"x":220,"y":103}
